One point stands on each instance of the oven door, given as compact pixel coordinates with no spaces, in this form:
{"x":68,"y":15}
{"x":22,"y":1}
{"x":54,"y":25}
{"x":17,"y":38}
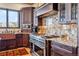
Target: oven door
{"x":38,"y":51}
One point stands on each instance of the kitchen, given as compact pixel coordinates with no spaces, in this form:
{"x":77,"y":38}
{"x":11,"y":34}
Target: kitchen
{"x":47,"y":29}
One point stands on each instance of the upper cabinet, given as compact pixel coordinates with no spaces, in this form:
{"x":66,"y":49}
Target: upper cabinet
{"x":26,"y":17}
{"x":67,"y":13}
{"x":62,"y":12}
{"x":74,"y":11}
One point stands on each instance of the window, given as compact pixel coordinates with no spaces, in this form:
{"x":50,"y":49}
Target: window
{"x":2,"y":18}
{"x":9,"y":18}
{"x":13,"y":19}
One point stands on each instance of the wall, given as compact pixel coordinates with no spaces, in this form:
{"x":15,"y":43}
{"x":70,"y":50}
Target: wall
{"x":38,"y":5}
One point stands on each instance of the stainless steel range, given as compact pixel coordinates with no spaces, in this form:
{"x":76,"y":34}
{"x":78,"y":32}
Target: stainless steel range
{"x":37,"y":45}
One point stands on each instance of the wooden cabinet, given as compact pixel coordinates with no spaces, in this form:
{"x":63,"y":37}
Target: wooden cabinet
{"x":59,"y":49}
{"x":26,"y":17}
{"x":3,"y":45}
{"x":62,"y":12}
{"x":22,"y":40}
{"x":7,"y":44}
{"x":26,"y":40}
{"x":74,"y":11}
{"x":19,"y":38}
{"x":10,"y":44}
{"x":7,"y":41}
{"x":15,"y":41}
{"x":67,"y":12}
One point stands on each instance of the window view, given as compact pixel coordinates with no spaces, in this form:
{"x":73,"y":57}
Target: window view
{"x":2,"y":18}
{"x":9,"y":18}
{"x":13,"y":19}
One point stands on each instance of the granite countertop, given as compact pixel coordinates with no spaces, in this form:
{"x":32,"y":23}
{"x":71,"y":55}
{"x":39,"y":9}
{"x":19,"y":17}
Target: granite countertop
{"x":58,"y":38}
{"x":16,"y":33}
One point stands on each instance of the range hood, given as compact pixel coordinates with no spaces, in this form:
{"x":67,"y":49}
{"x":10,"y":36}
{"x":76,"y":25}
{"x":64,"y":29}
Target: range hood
{"x":47,"y":9}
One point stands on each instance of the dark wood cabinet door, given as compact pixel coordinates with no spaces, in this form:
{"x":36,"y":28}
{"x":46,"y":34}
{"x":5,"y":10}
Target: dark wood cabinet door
{"x":19,"y":43}
{"x":25,"y":40}
{"x":19,"y":39}
{"x":22,"y":40}
{"x":10,"y":44}
{"x":26,"y":19}
{"x":26,"y":15}
{"x":59,"y":49}
{"x":3,"y":45}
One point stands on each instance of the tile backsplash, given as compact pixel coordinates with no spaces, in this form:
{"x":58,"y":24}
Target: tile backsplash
{"x":70,"y":34}
{"x":67,"y":32}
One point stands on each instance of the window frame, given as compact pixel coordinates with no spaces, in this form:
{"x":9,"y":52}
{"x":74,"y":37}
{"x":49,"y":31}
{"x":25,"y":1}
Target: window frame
{"x":7,"y":10}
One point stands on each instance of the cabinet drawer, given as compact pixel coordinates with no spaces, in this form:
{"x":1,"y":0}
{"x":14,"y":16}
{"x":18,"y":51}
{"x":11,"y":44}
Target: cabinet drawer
{"x":19,"y":36}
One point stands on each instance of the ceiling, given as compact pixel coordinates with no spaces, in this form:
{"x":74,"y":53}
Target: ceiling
{"x":18,"y":6}
{"x":28,"y":3}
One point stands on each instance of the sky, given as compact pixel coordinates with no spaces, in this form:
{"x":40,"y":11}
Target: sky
{"x":13,"y":16}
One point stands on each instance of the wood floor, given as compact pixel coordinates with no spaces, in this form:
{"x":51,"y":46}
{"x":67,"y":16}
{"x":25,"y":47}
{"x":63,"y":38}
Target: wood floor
{"x":28,"y":50}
